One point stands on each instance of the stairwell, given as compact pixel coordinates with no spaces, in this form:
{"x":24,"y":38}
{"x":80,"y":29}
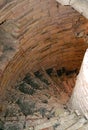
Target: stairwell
{"x":42,"y":44}
{"x":39,"y":102}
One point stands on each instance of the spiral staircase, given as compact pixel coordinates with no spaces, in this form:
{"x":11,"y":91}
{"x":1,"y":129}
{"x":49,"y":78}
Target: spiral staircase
{"x":39,"y":102}
{"x":42,"y":44}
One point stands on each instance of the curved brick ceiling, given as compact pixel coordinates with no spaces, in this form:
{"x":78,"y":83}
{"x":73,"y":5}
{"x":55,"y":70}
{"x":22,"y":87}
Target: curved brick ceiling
{"x":39,"y":33}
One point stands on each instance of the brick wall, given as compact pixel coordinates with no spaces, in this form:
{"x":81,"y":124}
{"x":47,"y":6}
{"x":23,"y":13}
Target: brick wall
{"x":42,"y":33}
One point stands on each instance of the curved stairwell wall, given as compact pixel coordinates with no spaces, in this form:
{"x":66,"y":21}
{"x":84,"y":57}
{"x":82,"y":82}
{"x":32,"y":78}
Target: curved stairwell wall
{"x":79,"y":98}
{"x":37,"y":34}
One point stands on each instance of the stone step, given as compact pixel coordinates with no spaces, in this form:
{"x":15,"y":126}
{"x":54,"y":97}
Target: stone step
{"x":49,"y":81}
{"x":65,"y":125}
{"x":62,"y":122}
{"x":78,"y":124}
{"x":67,"y":117}
{"x":47,"y":124}
{"x":84,"y":127}
{"x":49,"y":128}
{"x":67,"y":87}
{"x":66,"y":122}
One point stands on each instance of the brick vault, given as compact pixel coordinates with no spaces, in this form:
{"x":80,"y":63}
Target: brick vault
{"x":43,"y":38}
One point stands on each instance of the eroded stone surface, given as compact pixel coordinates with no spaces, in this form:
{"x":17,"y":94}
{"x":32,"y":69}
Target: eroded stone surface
{"x":39,"y":110}
{"x":80,"y":6}
{"x":79,"y":98}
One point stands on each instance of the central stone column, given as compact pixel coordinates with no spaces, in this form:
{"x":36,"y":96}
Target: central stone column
{"x":79,"y":99}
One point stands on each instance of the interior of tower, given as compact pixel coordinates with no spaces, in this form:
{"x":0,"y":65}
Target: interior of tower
{"x":42,"y":45}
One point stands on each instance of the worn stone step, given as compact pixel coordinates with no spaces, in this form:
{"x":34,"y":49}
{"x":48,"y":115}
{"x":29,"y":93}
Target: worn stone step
{"x":66,"y":122}
{"x":78,"y":124}
{"x":47,"y":124}
{"x":67,"y":117}
{"x":49,"y":128}
{"x":84,"y":127}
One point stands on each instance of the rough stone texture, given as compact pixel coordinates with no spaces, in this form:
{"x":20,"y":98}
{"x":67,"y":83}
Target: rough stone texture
{"x":45,"y":109}
{"x":43,"y":34}
{"x":64,"y":2}
{"x":79,"y":99}
{"x":80,"y":5}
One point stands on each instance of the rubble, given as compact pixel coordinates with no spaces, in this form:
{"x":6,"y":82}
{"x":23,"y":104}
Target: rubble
{"x":44,"y":109}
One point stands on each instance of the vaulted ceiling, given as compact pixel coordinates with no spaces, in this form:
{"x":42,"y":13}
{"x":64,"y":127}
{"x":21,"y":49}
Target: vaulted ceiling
{"x":39,"y":33}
